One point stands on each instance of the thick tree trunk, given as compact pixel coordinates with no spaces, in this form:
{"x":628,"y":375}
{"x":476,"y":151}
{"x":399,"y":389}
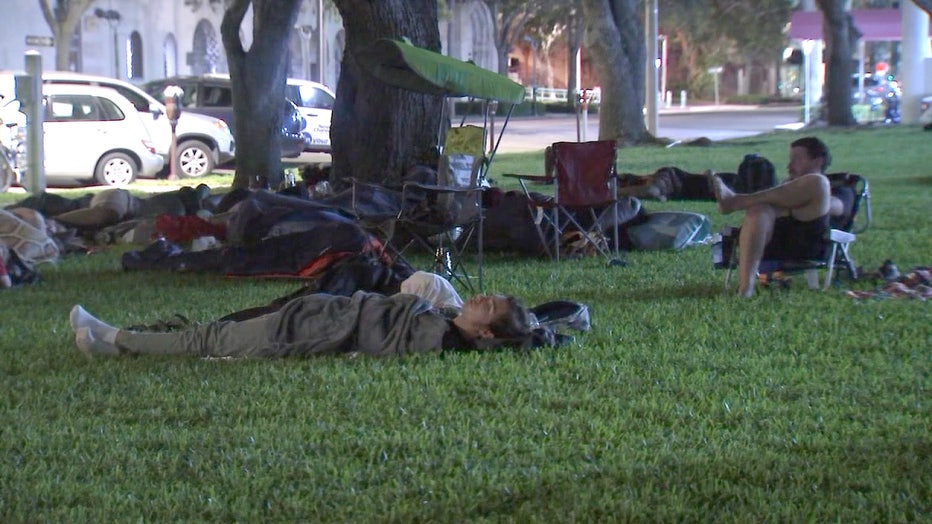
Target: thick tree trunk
{"x":840,"y":36}
{"x":615,"y":37}
{"x":378,"y":132}
{"x":258,"y":79}
{"x":62,"y":20}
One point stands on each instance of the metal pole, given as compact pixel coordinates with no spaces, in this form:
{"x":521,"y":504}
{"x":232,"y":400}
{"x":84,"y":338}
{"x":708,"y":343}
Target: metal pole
{"x":321,"y":55}
{"x":650,"y":87}
{"x":35,"y":138}
{"x":807,"y":80}
{"x":534,"y":82}
{"x":663,"y":66}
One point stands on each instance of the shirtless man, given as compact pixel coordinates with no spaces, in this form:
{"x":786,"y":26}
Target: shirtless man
{"x":785,"y":221}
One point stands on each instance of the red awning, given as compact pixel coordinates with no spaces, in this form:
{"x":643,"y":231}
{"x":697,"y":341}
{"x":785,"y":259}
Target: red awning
{"x":874,"y":24}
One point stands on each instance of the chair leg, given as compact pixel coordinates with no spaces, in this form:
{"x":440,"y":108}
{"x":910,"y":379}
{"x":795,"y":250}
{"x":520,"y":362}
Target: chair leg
{"x":830,"y":266}
{"x":849,"y":263}
{"x":556,"y":233}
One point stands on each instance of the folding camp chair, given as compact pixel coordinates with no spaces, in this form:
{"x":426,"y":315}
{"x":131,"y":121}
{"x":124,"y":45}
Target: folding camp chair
{"x":854,"y":192}
{"x":584,"y":197}
{"x":445,"y":219}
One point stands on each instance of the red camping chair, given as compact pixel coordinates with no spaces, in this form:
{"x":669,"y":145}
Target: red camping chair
{"x":584,"y":197}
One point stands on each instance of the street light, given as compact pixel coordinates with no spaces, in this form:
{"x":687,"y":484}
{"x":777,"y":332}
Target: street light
{"x":113,"y":19}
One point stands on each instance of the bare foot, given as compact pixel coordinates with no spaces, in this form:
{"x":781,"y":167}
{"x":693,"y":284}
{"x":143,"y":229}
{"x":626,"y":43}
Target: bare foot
{"x":724,"y":196}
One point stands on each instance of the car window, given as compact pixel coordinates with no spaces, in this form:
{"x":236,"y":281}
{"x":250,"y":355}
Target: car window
{"x":216,"y":96}
{"x":85,"y":108}
{"x":109,"y":111}
{"x":310,"y":96}
{"x":140,"y":102}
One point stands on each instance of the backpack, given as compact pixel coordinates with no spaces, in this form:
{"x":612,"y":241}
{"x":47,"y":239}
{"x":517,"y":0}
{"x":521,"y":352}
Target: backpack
{"x":754,"y":174}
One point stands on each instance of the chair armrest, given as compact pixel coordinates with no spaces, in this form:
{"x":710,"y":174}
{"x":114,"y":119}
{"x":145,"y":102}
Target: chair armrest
{"x":842,"y":237}
{"x":537,"y":179}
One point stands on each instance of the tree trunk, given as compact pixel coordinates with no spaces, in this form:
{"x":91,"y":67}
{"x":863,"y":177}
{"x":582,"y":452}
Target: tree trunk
{"x":840,"y":33}
{"x":378,"y":132}
{"x":62,"y":20}
{"x":615,"y":37}
{"x":258,"y":78}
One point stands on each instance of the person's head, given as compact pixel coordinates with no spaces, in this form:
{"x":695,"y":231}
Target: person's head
{"x":493,"y":316}
{"x":808,"y":155}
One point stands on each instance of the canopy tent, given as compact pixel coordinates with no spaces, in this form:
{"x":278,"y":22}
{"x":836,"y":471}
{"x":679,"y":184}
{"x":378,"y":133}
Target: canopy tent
{"x":403,"y":65}
{"x":874,"y":24}
{"x":406,"y":66}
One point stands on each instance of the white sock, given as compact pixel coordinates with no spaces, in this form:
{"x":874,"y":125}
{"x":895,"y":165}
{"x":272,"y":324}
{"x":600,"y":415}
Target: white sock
{"x":87,"y":344}
{"x":100,"y":331}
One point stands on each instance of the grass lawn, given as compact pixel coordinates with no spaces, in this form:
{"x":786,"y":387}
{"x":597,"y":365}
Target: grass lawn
{"x":683,"y":403}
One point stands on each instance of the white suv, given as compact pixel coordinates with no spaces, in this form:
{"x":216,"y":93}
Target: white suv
{"x":94,"y":131}
{"x":315,"y":101}
{"x":203,"y":141}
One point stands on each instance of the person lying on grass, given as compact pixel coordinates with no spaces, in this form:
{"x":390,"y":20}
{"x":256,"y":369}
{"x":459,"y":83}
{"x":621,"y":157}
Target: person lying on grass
{"x":317,"y":324}
{"x":786,"y":221}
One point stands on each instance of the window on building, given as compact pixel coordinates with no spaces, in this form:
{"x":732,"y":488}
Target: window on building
{"x":134,"y":56}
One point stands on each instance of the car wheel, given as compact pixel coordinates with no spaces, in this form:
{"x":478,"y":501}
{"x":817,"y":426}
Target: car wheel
{"x":194,"y":159}
{"x":116,"y":169}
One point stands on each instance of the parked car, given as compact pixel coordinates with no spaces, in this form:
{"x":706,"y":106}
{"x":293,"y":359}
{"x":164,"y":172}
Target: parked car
{"x":315,"y":101}
{"x":213,"y":95}
{"x":203,"y":142}
{"x":95,"y":132}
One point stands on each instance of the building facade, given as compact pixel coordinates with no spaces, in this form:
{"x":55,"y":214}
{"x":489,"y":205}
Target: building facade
{"x":142,"y":40}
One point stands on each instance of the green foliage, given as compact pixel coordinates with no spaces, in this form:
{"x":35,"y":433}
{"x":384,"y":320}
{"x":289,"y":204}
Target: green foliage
{"x":682,"y":404}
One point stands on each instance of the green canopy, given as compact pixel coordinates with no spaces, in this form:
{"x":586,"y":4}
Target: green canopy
{"x":403,"y":65}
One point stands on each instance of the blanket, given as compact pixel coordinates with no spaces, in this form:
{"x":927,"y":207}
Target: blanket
{"x":367,"y":323}
{"x":916,"y":284}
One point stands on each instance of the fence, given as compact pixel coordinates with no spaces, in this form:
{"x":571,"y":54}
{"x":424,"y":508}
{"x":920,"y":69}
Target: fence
{"x":550,"y":95}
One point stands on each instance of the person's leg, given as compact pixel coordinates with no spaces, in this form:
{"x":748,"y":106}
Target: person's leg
{"x":247,"y":338}
{"x":805,"y":198}
{"x":756,"y":231}
{"x":240,"y":339}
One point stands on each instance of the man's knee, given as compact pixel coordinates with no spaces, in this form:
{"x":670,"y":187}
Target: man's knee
{"x":760,"y":213}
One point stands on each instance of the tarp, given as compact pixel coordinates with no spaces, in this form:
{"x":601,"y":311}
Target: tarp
{"x":874,"y":24}
{"x":413,"y":68}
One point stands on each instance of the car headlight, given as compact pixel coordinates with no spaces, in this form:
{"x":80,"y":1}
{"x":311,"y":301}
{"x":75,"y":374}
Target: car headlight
{"x":221,"y":125}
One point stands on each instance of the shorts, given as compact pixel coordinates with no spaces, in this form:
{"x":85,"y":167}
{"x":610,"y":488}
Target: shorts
{"x":794,"y":240}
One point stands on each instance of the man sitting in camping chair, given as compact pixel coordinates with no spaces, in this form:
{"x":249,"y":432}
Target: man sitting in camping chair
{"x":787,"y":221}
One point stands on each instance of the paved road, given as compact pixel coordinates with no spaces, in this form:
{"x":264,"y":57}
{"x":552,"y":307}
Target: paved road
{"x":713,"y":122}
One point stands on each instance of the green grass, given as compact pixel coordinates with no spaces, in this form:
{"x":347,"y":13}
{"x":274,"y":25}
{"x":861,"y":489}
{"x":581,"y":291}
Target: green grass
{"x":682,"y":404}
